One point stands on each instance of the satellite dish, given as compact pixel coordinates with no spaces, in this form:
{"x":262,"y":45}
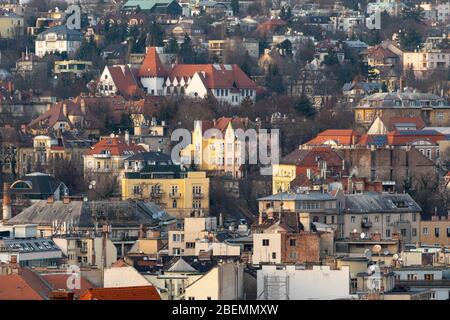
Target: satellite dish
{"x":94,"y":182}
{"x":386,"y":252}
{"x":376,"y":248}
{"x":363,"y":235}
{"x":395,"y":257}
{"x":368,"y":254}
{"x":354,"y":230}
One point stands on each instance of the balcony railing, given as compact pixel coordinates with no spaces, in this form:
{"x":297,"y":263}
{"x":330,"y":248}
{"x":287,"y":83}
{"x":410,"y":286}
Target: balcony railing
{"x":366,"y":224}
{"x":157,"y":194}
{"x":197,"y":195}
{"x":175,"y":195}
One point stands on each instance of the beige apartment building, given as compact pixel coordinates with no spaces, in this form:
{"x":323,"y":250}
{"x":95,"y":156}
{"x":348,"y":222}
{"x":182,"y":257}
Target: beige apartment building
{"x":424,"y":63}
{"x":436,"y":231}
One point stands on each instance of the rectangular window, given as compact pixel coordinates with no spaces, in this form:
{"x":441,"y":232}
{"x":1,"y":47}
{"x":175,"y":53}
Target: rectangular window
{"x":265,"y":242}
{"x":352,"y":219}
{"x":293,"y":242}
{"x":425,"y":231}
{"x":388,"y":233}
{"x":274,"y":255}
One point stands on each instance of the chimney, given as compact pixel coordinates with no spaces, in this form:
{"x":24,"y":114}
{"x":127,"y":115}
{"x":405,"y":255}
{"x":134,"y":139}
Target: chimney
{"x":66,"y":200}
{"x":6,"y":202}
{"x":220,"y":220}
{"x":23,"y":128}
{"x":83,"y":106}
{"x":260,"y":218}
{"x":65,"y":111}
{"x":50,"y":199}
{"x":305,"y":221}
{"x":142,"y":232}
{"x":127,"y":137}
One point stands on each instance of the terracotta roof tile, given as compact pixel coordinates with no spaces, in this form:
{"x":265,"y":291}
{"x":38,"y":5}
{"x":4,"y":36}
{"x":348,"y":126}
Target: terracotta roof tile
{"x":14,"y":287}
{"x":115,"y":146}
{"x":122,"y":293}
{"x":152,"y":66}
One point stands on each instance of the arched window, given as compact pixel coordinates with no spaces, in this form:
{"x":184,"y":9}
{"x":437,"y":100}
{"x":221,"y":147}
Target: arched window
{"x":174,"y":204}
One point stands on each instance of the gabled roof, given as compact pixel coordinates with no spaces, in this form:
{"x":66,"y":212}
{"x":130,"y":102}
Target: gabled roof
{"x":15,"y":287}
{"x":223,"y":122}
{"x":224,"y":76}
{"x":311,"y":157}
{"x":115,"y":147}
{"x":178,"y":264}
{"x":122,"y":293}
{"x":58,"y":281}
{"x":152,"y":66}
{"x":56,"y":114}
{"x":124,"y":79}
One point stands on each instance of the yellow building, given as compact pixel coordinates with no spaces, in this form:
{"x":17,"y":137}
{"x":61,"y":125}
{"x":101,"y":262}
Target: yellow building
{"x":434,"y":110}
{"x":282,"y":175}
{"x":11,"y":25}
{"x":436,"y":231}
{"x":217,"y":48}
{"x":76,"y":67}
{"x":215,"y":146}
{"x":152,"y":176}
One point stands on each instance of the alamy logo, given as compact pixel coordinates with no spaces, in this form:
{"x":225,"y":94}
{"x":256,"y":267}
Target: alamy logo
{"x":73,"y":20}
{"x":74,"y":280}
{"x":242,"y":147}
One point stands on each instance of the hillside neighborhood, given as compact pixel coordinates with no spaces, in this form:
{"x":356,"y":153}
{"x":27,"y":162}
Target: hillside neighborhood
{"x":225,"y":150}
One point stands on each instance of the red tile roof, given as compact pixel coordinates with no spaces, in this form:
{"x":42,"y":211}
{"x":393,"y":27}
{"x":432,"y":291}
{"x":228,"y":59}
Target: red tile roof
{"x":115,"y":147}
{"x":340,"y":136}
{"x":122,"y":293}
{"x":58,"y":281}
{"x":392,"y":121}
{"x":56,"y":113}
{"x":124,"y":79}
{"x":214,"y":75}
{"x":14,"y":287}
{"x":152,"y":66}
{"x":223,"y":122}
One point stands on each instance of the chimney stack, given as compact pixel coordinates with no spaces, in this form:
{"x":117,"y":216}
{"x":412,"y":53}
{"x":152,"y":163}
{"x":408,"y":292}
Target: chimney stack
{"x":66,"y":200}
{"x":305,"y":221}
{"x":6,"y":202}
{"x":127,"y":137}
{"x":142,"y":232}
{"x":65,"y":111}
{"x":83,"y":106}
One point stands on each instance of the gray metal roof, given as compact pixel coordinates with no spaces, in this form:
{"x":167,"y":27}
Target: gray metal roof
{"x":372,"y":202}
{"x":85,"y":214}
{"x":289,"y":196}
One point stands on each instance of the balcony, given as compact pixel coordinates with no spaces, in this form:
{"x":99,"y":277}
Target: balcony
{"x":102,"y":155}
{"x":156,"y":194}
{"x":197,"y":195}
{"x":366,"y":224}
{"x":175,"y":195}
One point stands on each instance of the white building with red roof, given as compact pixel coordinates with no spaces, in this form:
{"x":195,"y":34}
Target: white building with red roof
{"x":118,"y":80}
{"x":108,"y":155}
{"x":225,"y":82}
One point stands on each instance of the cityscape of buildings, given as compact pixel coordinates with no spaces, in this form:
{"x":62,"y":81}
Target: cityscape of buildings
{"x":128,"y":130}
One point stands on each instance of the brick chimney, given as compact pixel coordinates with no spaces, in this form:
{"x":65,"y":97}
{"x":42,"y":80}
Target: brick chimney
{"x":142,"y":232}
{"x":6,"y":202}
{"x":50,"y":199}
{"x":66,"y":200}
